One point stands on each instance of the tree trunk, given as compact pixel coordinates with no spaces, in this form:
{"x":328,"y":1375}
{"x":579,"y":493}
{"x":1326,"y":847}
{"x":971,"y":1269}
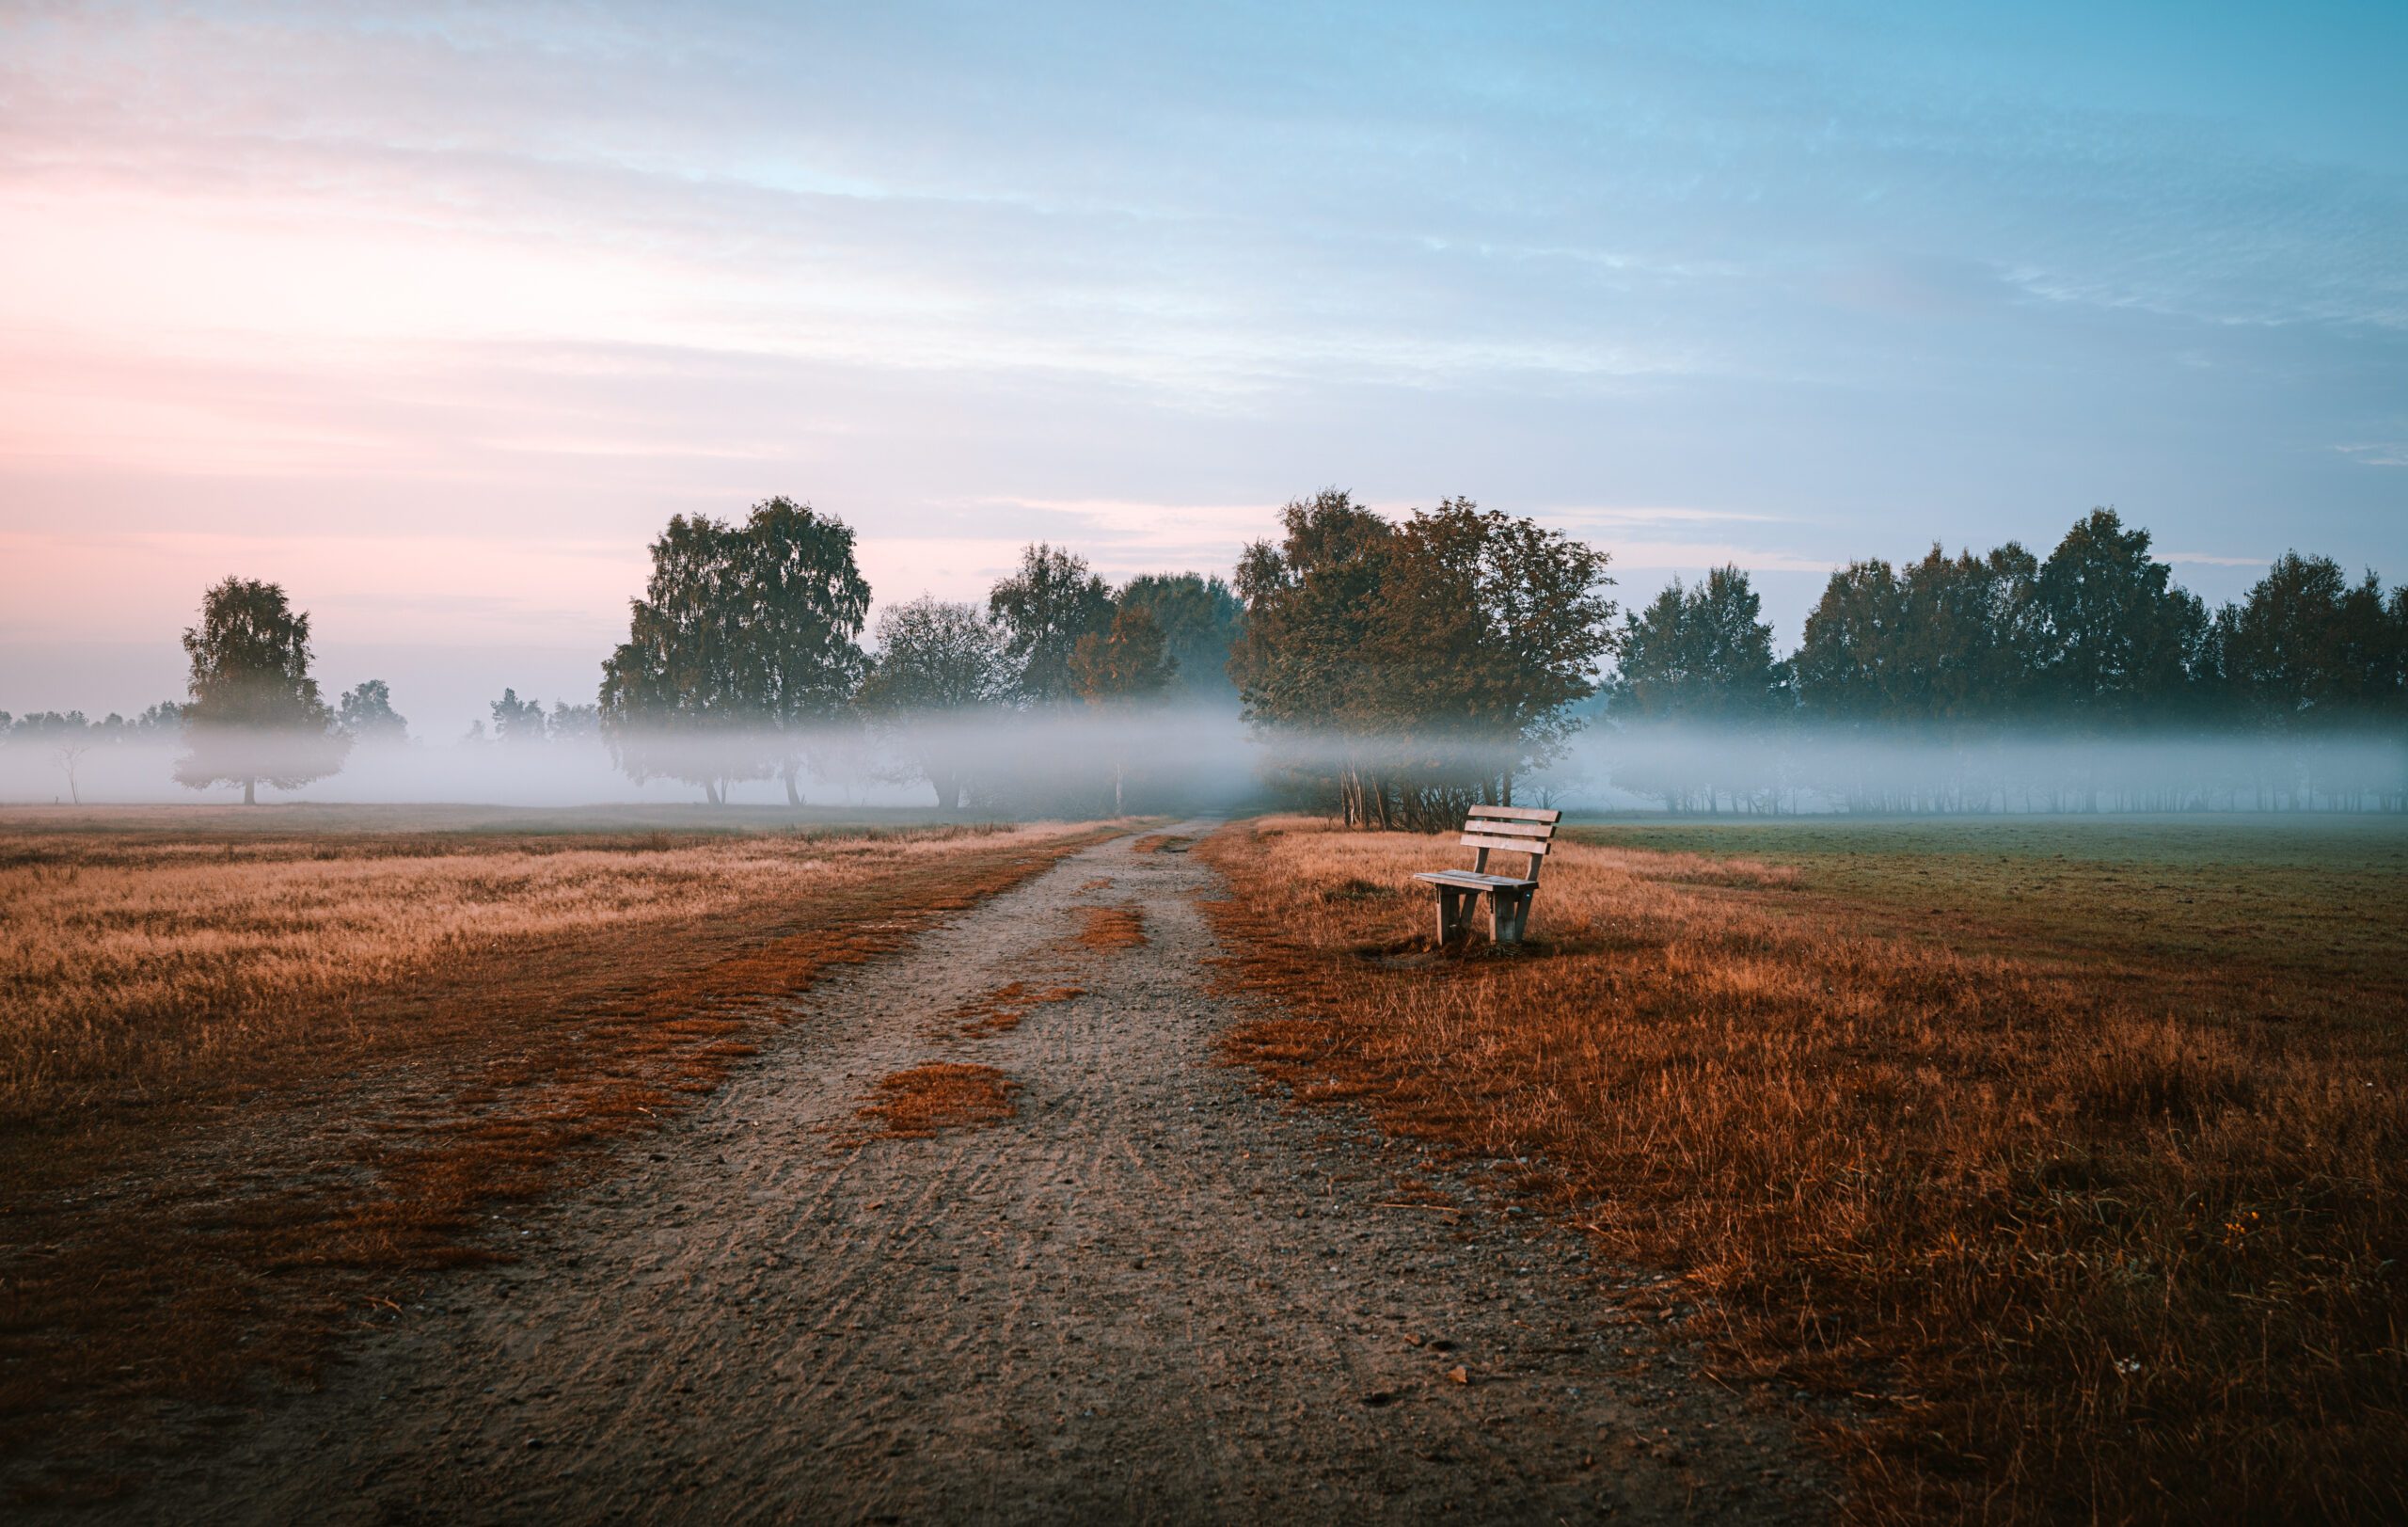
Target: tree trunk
{"x":793,"y":797}
{"x":710,"y":792}
{"x":251,"y":796}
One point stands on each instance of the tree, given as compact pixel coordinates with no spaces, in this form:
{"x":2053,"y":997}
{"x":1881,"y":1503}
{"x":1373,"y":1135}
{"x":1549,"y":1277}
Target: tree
{"x":1311,"y":614}
{"x":938,"y":664}
{"x":1442,"y":656}
{"x":2306,"y":648}
{"x":1490,"y":629}
{"x":366,"y":714}
{"x":518,"y":721}
{"x":1842,"y":664}
{"x":1700,"y":653}
{"x":747,"y":636}
{"x":1044,"y":609}
{"x":1117,"y":667}
{"x":255,"y":712}
{"x":575,"y":724}
{"x":1199,"y":618}
{"x":2119,"y":632}
{"x":1128,"y":661}
{"x":71,"y":755}
{"x":1970,"y":639}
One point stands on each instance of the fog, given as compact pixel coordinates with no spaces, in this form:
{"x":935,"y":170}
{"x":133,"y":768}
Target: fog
{"x":1097,"y":762}
{"x":1808,"y":769}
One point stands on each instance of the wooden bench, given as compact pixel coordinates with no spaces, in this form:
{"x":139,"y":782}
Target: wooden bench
{"x":1491,"y":829}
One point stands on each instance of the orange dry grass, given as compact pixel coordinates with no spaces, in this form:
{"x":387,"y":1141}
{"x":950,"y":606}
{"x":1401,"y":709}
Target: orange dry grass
{"x":1161,"y":843}
{"x":1001,"y":1011}
{"x":1110,"y":928}
{"x":256,"y":1085}
{"x":916,"y":1103}
{"x":2075,"y":1235}
{"x":125,"y":969}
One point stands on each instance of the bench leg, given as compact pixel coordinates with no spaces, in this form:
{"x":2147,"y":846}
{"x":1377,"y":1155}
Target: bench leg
{"x":1509,"y":917}
{"x":1445,"y":914}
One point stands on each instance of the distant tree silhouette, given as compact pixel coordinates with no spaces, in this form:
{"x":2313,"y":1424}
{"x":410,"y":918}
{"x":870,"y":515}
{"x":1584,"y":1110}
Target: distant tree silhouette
{"x":70,"y":758}
{"x":2122,"y":638}
{"x":938,"y":664}
{"x":1702,"y":655}
{"x":1700,"y":652}
{"x":1199,"y":618}
{"x":1048,"y":603}
{"x":2306,"y":648}
{"x":1968,"y":646}
{"x":519,"y":722}
{"x":1842,"y":665}
{"x":575,"y":724}
{"x":747,"y":636}
{"x":1117,"y":668}
{"x":366,"y":714}
{"x":255,"y":712}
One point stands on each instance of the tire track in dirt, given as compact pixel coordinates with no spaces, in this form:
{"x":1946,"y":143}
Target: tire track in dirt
{"x":1153,"y":1294}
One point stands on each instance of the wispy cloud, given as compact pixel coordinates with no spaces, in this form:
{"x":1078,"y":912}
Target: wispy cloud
{"x":2385,"y":453}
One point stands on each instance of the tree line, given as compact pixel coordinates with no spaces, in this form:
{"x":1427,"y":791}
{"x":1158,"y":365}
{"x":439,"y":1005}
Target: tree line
{"x":1398,"y":671}
{"x":1957,"y":656}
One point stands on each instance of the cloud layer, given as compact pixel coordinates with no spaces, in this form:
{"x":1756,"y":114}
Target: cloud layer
{"x":422,"y":302}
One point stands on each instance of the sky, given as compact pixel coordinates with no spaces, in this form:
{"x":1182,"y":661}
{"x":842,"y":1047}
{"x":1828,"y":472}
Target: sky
{"x":436,"y":314}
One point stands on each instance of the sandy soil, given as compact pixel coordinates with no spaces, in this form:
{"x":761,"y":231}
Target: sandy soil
{"x":1156,"y":1293}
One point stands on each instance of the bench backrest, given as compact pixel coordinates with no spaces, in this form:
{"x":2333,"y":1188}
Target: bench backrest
{"x":1514,"y":829}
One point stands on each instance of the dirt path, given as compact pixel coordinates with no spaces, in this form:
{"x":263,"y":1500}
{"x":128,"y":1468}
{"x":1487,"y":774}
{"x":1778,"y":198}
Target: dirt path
{"x":1154,"y":1294}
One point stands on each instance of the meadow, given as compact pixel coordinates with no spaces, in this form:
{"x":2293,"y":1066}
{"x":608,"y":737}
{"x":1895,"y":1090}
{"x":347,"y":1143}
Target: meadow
{"x":263,"y":1071}
{"x":2054,"y":1167}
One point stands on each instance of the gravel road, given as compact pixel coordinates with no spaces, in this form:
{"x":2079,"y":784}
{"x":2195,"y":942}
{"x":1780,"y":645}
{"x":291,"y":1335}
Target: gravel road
{"x":1156,"y":1293}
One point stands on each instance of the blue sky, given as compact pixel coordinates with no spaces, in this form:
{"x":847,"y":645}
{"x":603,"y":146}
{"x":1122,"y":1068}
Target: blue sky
{"x":438,"y":313}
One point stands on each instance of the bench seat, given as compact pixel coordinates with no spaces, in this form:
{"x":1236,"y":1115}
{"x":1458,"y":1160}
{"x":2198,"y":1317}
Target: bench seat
{"x":1469,"y":881}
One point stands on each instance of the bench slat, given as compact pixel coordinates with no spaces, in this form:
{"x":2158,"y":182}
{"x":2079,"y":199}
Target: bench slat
{"x":1509,"y":828}
{"x":1510,"y":845}
{"x":1518,"y":813}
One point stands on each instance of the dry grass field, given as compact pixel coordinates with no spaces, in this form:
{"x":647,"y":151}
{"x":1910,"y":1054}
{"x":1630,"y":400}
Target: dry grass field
{"x":261,"y":1070}
{"x":2069,"y":1155}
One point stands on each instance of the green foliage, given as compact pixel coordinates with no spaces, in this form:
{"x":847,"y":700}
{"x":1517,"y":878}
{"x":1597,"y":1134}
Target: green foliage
{"x":2120,"y":636}
{"x":1700,"y":653}
{"x":1199,"y":618}
{"x":1440,"y":656}
{"x":2308,"y":648}
{"x":747,"y":633}
{"x":1123,"y":663}
{"x":255,"y":714}
{"x":935,"y":656}
{"x":2097,"y":636}
{"x":938,"y":662}
{"x":1044,"y":609}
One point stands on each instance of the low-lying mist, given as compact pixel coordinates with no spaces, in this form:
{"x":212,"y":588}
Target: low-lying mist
{"x":1087,"y":762}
